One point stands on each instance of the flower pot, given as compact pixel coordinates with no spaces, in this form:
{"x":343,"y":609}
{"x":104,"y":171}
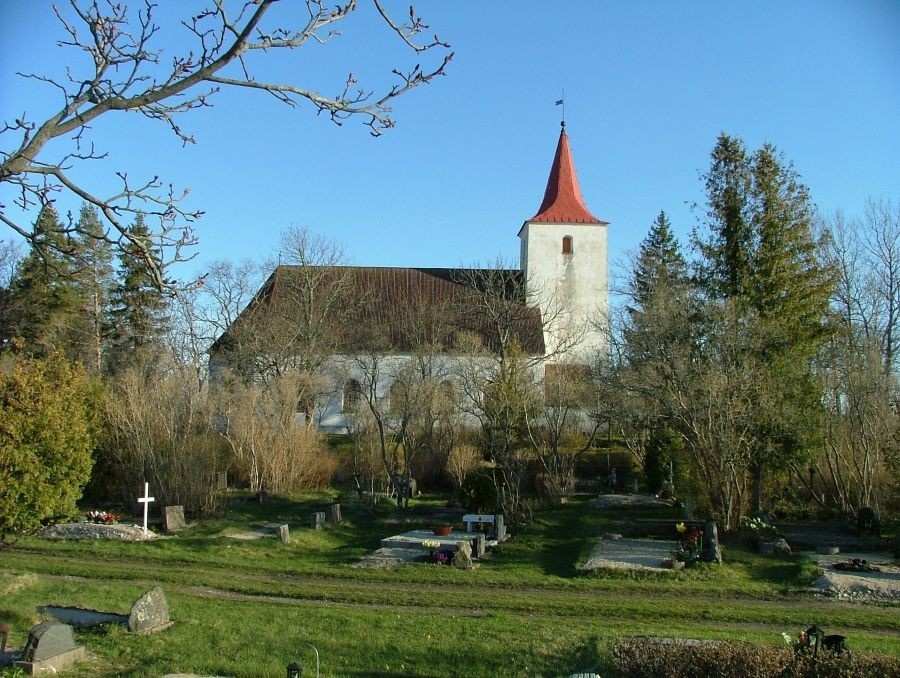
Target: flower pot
{"x":442,"y":530}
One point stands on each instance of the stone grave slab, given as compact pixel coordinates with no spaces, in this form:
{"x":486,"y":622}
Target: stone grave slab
{"x":149,"y":613}
{"x":50,"y":648}
{"x":415,"y":538}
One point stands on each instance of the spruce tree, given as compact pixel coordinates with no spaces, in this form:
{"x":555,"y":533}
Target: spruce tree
{"x":94,"y":280}
{"x":138,"y":308}
{"x":760,"y":255}
{"x":43,"y":304}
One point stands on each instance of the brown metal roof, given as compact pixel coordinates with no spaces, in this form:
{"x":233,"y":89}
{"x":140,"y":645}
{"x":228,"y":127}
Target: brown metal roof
{"x":400,"y":308}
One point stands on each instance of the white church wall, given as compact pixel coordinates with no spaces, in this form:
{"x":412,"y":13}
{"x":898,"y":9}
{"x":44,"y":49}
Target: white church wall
{"x":571,"y":289}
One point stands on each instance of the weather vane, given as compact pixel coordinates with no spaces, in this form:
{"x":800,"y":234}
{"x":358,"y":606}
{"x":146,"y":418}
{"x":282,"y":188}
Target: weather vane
{"x":562,"y":102}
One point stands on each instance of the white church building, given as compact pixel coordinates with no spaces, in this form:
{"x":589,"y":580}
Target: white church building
{"x":560,"y":317}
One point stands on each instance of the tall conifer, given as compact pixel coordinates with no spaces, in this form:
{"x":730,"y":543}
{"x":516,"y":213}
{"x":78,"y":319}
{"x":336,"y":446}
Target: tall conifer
{"x":138,"y":313}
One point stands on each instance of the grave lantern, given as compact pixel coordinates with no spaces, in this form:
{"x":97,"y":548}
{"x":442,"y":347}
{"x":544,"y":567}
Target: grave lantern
{"x":294,"y":670}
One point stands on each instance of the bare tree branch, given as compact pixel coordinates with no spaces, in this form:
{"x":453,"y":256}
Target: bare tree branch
{"x":128,"y":72}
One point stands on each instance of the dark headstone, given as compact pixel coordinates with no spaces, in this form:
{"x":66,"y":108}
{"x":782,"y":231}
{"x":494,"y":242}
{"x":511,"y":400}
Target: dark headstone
{"x":317,"y":520}
{"x":149,"y":612}
{"x":499,"y":528}
{"x":711,"y":537}
{"x":462,"y":557}
{"x":173,"y":518}
{"x":284,"y":534}
{"x":334,"y":513}
{"x":48,"y":640}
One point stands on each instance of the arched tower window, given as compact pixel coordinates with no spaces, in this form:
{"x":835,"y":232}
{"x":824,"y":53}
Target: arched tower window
{"x":567,"y":244}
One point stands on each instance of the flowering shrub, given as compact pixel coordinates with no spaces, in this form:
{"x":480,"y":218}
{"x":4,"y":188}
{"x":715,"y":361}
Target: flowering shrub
{"x":103,"y":517}
{"x":757,"y":525}
{"x":442,"y":557}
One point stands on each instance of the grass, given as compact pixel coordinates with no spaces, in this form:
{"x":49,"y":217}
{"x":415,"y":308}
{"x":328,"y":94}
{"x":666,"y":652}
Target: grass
{"x":245,"y":608}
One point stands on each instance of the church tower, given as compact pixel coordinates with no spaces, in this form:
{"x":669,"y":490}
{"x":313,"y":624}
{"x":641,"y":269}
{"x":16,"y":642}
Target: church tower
{"x":564,"y":259}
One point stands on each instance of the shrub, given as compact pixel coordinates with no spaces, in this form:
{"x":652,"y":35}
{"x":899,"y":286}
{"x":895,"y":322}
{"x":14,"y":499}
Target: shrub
{"x":478,"y":493}
{"x":662,"y":658}
{"x":48,"y":423}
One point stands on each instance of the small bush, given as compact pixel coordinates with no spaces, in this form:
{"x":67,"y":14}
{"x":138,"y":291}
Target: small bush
{"x":661,"y":658}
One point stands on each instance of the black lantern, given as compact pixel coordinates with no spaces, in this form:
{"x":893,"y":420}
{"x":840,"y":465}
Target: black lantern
{"x":294,"y":670}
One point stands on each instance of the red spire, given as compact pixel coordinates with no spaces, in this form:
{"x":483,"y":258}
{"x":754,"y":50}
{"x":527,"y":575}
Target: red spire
{"x":562,"y":199}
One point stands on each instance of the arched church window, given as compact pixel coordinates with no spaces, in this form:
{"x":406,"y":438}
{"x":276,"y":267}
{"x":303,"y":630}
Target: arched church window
{"x":352,"y":395}
{"x":567,"y":244}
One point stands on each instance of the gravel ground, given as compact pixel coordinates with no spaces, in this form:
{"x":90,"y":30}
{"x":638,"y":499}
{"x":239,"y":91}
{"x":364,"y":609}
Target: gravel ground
{"x":648,"y":554}
{"x":121,"y":531}
{"x":862,"y":586}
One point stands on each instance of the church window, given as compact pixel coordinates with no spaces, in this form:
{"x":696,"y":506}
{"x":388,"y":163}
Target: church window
{"x":567,"y":244}
{"x":352,"y":395}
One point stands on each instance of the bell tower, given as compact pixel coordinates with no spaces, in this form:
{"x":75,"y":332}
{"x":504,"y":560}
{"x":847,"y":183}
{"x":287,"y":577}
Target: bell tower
{"x":564,"y":260}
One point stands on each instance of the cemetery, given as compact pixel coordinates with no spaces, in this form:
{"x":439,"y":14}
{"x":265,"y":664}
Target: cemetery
{"x":352,"y":584}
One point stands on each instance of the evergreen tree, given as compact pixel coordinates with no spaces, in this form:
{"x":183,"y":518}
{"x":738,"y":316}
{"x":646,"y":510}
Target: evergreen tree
{"x":43,"y":304}
{"x":94,"y":280}
{"x":660,"y":292}
{"x":761,"y":257}
{"x":138,"y":308}
{"x":726,"y":266}
{"x":660,"y":268}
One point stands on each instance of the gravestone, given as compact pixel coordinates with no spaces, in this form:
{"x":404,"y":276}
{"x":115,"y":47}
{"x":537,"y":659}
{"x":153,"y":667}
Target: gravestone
{"x":711,"y":537}
{"x":49,"y":649}
{"x":688,"y":509}
{"x":284,"y":534}
{"x":334,"y":513}
{"x":478,"y":546}
{"x":150,"y":612}
{"x":462,"y":557}
{"x":777,"y":547}
{"x":173,"y":518}
{"x":317,"y":520}
{"x":222,"y":481}
{"x":499,"y":528}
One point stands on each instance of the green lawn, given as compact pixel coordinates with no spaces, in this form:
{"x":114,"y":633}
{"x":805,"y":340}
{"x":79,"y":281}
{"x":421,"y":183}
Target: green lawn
{"x":246,"y":608}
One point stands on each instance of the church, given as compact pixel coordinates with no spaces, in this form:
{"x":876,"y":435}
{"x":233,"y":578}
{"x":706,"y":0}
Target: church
{"x":323,"y":320}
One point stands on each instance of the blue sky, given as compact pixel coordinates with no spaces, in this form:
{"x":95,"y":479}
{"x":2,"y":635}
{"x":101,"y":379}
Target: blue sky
{"x":648,"y":87}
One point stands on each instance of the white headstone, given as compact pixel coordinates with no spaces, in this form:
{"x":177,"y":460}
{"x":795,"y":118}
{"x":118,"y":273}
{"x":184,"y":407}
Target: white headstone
{"x":145,"y":500}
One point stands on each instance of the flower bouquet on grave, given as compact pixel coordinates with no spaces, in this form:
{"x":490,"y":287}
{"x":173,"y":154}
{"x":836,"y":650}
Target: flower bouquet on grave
{"x":102,"y":517}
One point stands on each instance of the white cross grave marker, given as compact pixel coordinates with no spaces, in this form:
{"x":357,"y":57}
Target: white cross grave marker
{"x":145,"y":500}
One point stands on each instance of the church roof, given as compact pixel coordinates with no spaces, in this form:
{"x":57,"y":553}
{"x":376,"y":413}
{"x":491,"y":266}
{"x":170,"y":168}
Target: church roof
{"x":563,"y":203}
{"x":397,"y":308}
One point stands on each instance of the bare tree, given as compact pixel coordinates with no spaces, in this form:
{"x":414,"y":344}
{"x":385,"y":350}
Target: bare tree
{"x":10,"y":255}
{"x":128,"y":71}
{"x":857,"y":368}
{"x":297,"y":320}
